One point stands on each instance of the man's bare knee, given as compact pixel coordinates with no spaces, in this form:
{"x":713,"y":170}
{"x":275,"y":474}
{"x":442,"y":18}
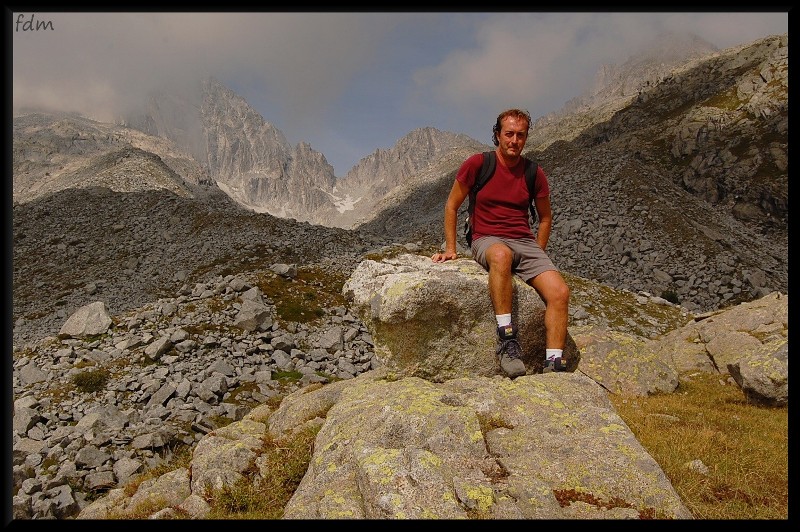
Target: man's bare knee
{"x":552,"y":288}
{"x":560,"y":293}
{"x":499,"y":255}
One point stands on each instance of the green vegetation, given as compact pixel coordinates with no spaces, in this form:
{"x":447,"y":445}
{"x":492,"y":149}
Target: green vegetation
{"x":727,"y":100}
{"x":91,"y":381}
{"x":304,"y":298}
{"x":264,"y":498}
{"x":387,"y":252}
{"x":287,"y":377}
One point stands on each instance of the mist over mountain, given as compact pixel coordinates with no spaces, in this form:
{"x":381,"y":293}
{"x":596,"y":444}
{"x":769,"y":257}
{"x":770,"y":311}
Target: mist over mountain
{"x":252,"y":162}
{"x":669,"y":176}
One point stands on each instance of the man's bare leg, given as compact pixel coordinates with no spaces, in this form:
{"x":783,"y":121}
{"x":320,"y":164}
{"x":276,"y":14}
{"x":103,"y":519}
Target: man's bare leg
{"x":501,"y":290}
{"x":554,"y":291}
{"x":499,"y":257}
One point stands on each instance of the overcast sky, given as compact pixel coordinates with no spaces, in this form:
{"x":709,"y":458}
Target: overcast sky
{"x":347,"y":83}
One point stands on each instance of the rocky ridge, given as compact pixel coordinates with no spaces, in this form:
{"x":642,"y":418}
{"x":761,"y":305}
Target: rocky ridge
{"x":374,"y":180}
{"x":625,"y":209}
{"x":54,"y":152}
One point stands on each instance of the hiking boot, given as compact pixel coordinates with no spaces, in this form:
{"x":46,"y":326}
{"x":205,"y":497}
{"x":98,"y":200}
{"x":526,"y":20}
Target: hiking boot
{"x":510,"y":352}
{"x":554,"y":364}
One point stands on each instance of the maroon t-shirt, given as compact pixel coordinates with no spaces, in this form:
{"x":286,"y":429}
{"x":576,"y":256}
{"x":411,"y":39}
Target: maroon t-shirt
{"x":501,"y":207}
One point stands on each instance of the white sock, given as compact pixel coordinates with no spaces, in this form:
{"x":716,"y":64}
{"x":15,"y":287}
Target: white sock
{"x":552,"y":354}
{"x":503,"y":319}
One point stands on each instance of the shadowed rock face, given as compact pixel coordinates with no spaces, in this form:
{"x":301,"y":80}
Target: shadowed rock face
{"x":436,"y":320}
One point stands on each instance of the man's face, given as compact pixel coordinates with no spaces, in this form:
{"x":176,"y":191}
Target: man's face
{"x":512,"y":137}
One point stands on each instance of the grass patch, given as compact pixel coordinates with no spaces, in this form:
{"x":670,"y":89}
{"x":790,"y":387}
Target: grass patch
{"x":247,"y":387}
{"x":298,"y":312}
{"x":216,"y":305}
{"x":258,"y":497}
{"x":92,"y":380}
{"x":287,"y":377}
{"x":386,"y":252}
{"x":727,"y":100}
{"x":304,"y":298}
{"x":181,"y":457}
{"x":744,"y":447}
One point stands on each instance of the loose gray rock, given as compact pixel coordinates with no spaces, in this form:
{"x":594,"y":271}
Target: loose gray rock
{"x":89,"y":320}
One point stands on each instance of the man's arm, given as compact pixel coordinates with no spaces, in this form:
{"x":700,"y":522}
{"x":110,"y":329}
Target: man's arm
{"x":545,"y":215}
{"x":454,"y":200}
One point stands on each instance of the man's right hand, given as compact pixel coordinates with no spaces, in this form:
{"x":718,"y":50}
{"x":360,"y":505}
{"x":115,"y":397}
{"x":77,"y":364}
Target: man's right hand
{"x":441,"y":257}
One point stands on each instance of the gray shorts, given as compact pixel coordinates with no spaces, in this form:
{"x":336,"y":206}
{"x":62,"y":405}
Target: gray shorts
{"x":529,"y":259}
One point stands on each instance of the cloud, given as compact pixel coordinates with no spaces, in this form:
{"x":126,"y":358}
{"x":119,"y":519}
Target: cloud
{"x":98,"y":62}
{"x":545,"y":59}
{"x":347,"y":83}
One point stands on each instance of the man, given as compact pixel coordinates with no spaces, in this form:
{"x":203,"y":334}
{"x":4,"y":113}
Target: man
{"x":504,"y":244}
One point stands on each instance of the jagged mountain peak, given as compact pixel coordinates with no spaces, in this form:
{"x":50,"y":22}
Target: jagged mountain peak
{"x":384,"y":171}
{"x":217,"y":96}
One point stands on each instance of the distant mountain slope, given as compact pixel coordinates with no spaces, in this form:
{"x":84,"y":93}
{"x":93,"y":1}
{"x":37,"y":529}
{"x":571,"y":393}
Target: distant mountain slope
{"x":251,"y":160}
{"x":386,"y":173}
{"x":53,"y":152}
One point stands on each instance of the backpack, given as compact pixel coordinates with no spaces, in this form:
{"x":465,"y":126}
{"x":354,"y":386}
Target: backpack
{"x":486,"y":172}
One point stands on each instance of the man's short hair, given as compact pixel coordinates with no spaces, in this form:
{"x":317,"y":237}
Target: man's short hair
{"x":520,"y":114}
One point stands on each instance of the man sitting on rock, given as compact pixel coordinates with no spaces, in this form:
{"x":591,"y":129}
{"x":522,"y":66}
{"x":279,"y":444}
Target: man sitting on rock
{"x":504,"y":244}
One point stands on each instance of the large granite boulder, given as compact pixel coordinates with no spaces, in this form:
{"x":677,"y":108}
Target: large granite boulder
{"x":624,"y":364}
{"x":435,"y":320}
{"x":763,"y":375}
{"x":718,"y":340}
{"x":536,"y":447}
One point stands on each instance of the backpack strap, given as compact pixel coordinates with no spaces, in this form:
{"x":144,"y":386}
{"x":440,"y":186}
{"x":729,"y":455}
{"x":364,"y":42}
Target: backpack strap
{"x":531,"y":168}
{"x":486,"y":172}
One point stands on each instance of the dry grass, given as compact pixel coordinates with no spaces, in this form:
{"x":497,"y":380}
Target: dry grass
{"x":264,"y":498}
{"x":744,"y":447}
